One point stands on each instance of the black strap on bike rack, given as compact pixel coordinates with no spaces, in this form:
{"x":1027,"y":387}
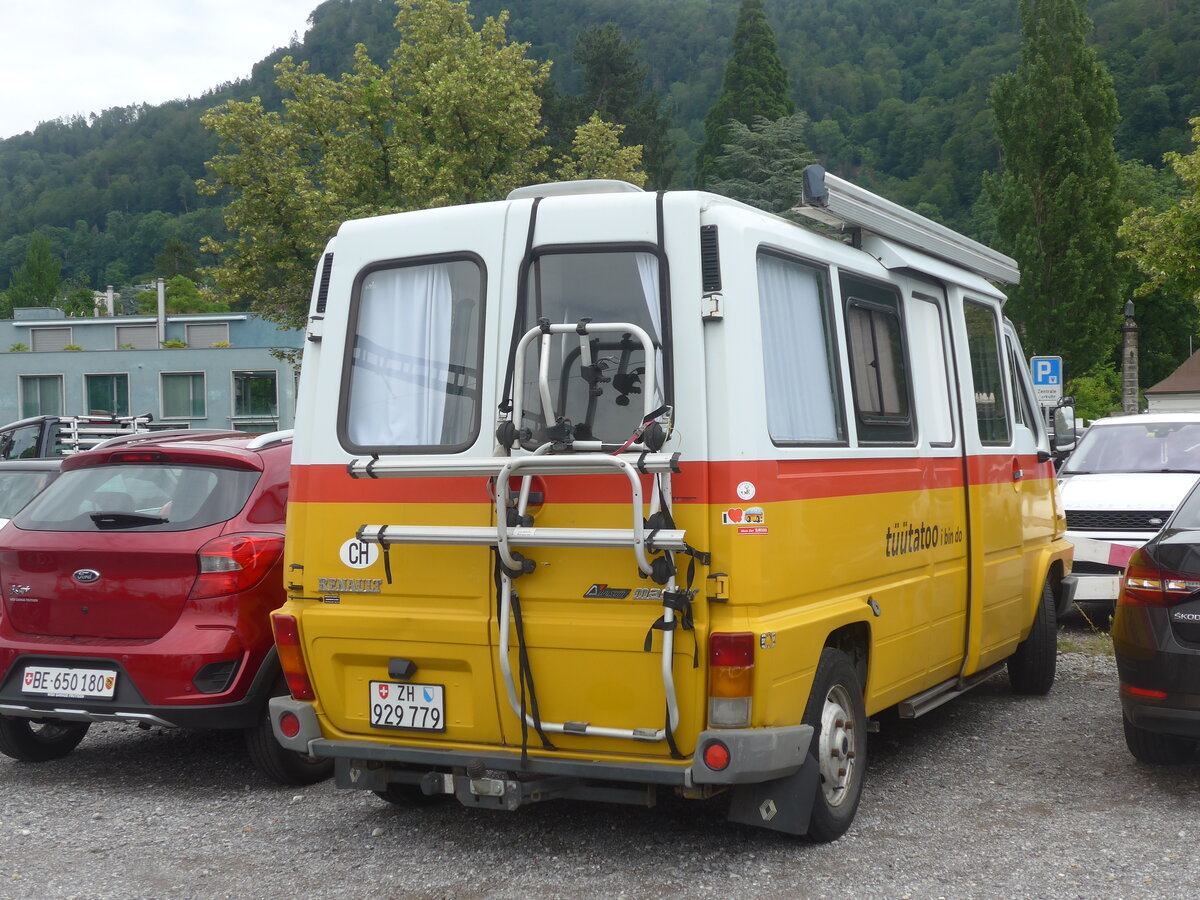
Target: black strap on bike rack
{"x":525,"y":673}
{"x":506,"y":403}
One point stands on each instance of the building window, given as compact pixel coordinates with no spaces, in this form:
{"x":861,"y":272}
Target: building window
{"x":207,"y":334}
{"x":107,"y":394}
{"x":41,"y":395}
{"x":45,"y":339}
{"x":137,"y":337}
{"x":183,"y":395}
{"x":254,"y":394}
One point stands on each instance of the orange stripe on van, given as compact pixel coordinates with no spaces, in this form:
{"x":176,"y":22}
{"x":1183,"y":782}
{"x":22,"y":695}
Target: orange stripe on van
{"x":698,"y":482}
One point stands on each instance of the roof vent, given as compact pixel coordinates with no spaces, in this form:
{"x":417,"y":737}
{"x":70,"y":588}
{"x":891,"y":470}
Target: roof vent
{"x":568,"y":188}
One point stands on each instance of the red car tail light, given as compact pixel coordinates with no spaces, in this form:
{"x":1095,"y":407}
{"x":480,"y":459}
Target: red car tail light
{"x":1145,"y":584}
{"x":235,"y":562}
{"x":291,"y":656}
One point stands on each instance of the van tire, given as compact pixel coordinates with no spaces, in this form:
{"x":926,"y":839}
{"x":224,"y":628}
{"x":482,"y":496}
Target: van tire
{"x":1156,"y":749}
{"x":281,"y":765}
{"x":839,"y":746}
{"x":1031,"y":668}
{"x":27,"y":740}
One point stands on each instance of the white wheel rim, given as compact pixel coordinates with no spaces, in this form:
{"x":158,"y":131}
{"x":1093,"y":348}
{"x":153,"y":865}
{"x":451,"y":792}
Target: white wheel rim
{"x":837,"y":747}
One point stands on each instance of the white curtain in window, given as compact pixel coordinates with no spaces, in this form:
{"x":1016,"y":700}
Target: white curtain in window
{"x":402,"y":357}
{"x":648,"y":275}
{"x":801,"y":396}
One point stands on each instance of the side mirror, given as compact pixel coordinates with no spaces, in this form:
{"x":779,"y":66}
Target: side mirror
{"x":1064,"y":426}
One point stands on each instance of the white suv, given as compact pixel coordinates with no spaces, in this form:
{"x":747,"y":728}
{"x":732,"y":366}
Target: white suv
{"x":1118,"y":488}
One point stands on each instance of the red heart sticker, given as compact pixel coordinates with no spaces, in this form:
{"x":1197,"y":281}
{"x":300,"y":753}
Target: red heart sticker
{"x":735,"y":515}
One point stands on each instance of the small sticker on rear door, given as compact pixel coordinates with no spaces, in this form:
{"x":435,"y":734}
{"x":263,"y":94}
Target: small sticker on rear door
{"x":605,"y":592}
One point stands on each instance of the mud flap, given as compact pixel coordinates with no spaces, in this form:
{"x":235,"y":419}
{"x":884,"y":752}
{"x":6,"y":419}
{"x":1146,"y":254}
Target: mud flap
{"x":784,"y":804}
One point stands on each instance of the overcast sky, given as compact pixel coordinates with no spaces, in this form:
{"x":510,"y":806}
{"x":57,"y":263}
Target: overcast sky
{"x":66,"y":57}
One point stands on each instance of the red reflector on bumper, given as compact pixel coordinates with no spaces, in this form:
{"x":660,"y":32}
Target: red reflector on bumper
{"x":1143,"y":692}
{"x":716,"y":756}
{"x":289,"y":725}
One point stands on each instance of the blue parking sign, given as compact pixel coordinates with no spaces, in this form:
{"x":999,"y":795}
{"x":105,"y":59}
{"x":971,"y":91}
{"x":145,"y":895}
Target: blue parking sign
{"x":1047,"y":379}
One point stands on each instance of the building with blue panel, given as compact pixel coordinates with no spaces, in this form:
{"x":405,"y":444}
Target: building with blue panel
{"x":212,"y":370}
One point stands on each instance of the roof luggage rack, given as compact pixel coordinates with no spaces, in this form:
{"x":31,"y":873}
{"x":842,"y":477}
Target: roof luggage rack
{"x":836,"y":202}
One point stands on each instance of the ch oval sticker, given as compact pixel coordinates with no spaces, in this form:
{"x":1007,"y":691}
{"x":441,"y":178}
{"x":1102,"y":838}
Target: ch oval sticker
{"x":359,"y":554}
{"x":86,"y":576}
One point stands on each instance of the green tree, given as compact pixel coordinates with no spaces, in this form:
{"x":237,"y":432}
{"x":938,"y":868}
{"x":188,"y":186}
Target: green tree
{"x":176,"y":258}
{"x":452,"y":118}
{"x":182,"y":296}
{"x":755,"y":85}
{"x":616,"y":85}
{"x":1056,"y":199}
{"x":766,"y":163}
{"x":1168,"y":317}
{"x":37,"y":281}
{"x":597,"y":153}
{"x":1166,"y":245}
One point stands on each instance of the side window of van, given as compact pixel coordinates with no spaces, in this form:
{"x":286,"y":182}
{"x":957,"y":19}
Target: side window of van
{"x":804,"y":397}
{"x":415,"y":357}
{"x":983,"y":343}
{"x":1023,"y":406}
{"x":931,"y":369}
{"x":879,"y":369}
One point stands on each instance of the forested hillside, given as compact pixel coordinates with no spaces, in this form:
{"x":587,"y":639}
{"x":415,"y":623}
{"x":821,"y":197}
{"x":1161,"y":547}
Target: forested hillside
{"x":896,"y":92}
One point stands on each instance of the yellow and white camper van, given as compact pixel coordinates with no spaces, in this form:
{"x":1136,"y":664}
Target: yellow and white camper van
{"x":599,"y":493}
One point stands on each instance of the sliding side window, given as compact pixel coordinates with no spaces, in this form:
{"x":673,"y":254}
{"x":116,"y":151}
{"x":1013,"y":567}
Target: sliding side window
{"x":804,"y":398}
{"x":415,"y":356}
{"x":879,"y":370}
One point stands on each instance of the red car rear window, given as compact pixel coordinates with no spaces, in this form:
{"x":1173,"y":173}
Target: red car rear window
{"x":135,"y":497}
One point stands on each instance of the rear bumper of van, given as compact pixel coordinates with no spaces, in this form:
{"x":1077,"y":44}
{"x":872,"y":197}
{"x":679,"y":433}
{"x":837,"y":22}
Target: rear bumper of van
{"x":755,"y":755}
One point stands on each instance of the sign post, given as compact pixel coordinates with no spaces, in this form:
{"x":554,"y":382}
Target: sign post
{"x":1047,"y":379}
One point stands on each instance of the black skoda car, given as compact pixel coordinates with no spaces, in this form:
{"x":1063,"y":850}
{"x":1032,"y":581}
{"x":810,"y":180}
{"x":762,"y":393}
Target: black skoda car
{"x":1156,"y":637}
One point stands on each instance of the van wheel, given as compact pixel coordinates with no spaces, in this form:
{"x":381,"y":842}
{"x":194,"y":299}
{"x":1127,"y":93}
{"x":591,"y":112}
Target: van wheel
{"x":1031,"y":668}
{"x":839,"y":747}
{"x":28,"y":740}
{"x":1157,"y":749}
{"x":281,"y":765}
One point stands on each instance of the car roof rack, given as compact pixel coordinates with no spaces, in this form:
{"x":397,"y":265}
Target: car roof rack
{"x":165,"y":434}
{"x":836,"y":202}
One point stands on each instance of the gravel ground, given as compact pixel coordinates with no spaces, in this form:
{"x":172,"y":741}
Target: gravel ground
{"x":993,"y":795}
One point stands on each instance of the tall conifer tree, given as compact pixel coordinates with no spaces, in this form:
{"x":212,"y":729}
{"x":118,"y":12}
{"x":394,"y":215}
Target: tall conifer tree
{"x":755,"y":87}
{"x":1056,"y":201}
{"x":616,"y":85}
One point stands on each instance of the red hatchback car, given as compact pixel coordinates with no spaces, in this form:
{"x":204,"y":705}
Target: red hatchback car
{"x":138,"y":588}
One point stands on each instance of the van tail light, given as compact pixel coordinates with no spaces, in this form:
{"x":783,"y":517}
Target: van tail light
{"x":1145,"y":584}
{"x":730,"y":679}
{"x":235,"y":562}
{"x":291,"y":656}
